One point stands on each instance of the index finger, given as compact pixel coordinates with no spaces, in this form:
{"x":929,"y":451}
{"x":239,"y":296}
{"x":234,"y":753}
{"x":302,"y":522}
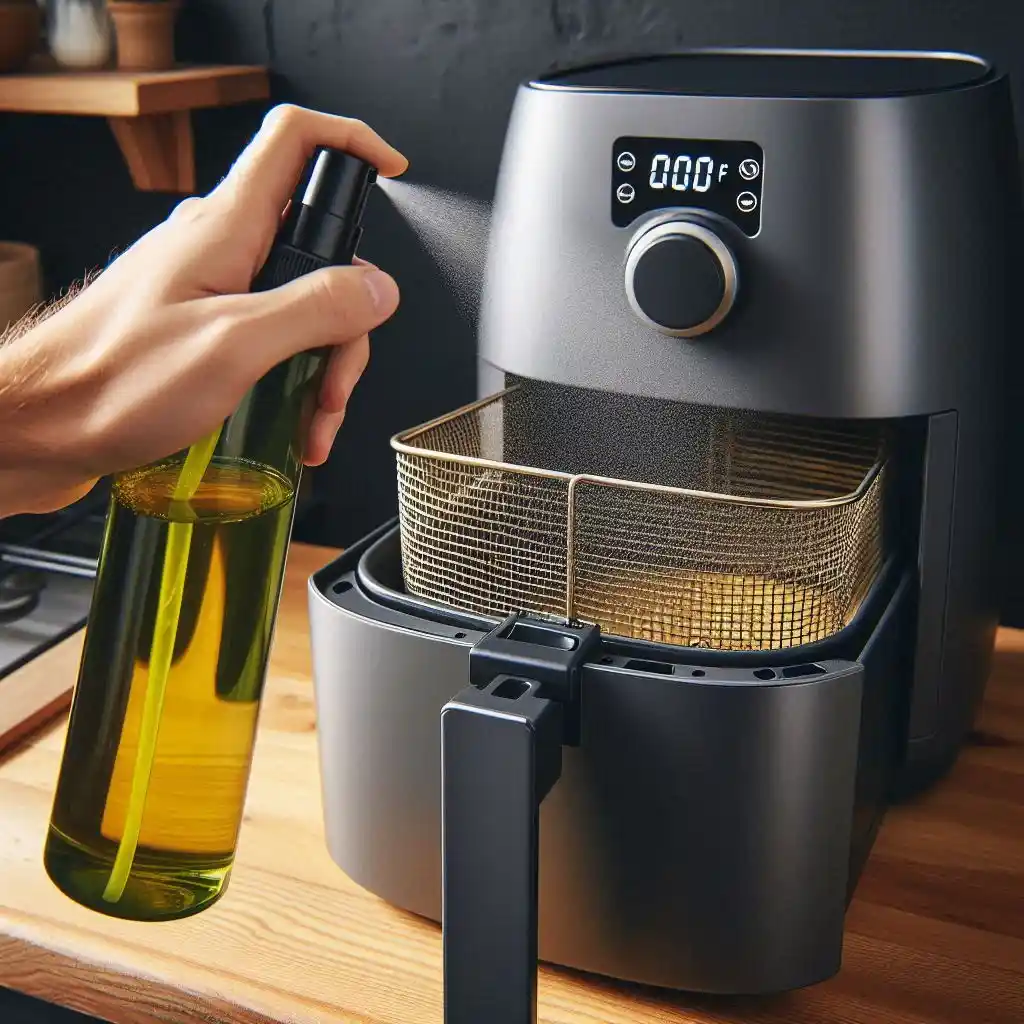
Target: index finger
{"x":270,"y":166}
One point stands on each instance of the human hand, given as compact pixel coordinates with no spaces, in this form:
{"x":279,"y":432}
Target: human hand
{"x":165,"y":343}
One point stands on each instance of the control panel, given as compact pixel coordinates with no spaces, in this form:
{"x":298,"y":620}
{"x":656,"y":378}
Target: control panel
{"x":720,"y":177}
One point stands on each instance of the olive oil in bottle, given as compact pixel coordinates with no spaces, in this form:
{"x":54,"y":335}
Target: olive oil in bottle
{"x":159,"y":745}
{"x":239,"y":520}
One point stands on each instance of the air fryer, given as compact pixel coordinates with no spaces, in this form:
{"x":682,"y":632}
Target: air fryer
{"x":706,"y":577}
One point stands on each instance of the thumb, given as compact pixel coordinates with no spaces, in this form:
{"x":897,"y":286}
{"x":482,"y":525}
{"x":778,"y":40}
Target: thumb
{"x":327,"y":307}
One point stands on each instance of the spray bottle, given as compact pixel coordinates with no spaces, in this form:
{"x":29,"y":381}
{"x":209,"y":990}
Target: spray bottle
{"x":160,"y":740}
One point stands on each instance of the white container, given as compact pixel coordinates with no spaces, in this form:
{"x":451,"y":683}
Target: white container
{"x":79,"y":33}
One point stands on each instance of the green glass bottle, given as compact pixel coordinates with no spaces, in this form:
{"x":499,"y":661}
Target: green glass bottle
{"x":156,"y":763}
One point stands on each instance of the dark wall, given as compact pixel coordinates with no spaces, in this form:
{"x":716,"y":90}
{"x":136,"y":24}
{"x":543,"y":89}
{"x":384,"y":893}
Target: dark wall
{"x":437,"y":78}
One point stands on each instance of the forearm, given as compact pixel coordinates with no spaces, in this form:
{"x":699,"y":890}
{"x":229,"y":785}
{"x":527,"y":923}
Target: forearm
{"x":35,"y":474}
{"x":30,"y":481}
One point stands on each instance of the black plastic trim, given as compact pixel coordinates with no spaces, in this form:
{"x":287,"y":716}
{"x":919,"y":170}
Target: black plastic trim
{"x":377,"y":564}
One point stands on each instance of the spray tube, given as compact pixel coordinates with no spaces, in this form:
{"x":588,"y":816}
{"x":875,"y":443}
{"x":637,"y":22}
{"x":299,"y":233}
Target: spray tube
{"x":158,"y":751}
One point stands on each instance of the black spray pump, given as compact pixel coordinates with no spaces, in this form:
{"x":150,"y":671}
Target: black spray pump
{"x":152,"y":782}
{"x":323,"y":224}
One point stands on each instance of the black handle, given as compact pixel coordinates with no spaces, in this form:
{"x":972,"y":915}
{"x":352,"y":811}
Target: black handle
{"x":501,"y":752}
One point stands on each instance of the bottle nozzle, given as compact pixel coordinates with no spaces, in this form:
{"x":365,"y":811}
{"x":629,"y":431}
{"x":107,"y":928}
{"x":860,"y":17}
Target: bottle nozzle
{"x":325,"y":220}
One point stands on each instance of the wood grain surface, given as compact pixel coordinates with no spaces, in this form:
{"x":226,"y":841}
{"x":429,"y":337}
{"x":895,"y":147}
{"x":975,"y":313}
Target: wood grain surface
{"x":30,"y":699}
{"x":131,"y":93}
{"x":935,"y":934}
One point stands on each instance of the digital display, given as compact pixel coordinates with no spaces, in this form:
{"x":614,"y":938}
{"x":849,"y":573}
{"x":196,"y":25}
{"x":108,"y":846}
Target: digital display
{"x":721,"y":177}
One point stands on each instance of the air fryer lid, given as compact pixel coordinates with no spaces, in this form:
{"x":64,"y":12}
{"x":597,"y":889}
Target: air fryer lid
{"x":806,"y":74}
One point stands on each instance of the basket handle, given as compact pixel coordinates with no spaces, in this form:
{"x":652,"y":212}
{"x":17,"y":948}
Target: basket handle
{"x":501,"y":753}
{"x":497,"y":766}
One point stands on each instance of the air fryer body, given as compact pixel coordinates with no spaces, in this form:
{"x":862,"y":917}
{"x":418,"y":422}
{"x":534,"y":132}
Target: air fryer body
{"x":876,"y":287}
{"x":710,"y":824}
{"x":707,"y":830}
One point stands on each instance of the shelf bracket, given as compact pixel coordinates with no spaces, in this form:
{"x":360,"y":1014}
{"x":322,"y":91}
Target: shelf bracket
{"x":158,"y":149}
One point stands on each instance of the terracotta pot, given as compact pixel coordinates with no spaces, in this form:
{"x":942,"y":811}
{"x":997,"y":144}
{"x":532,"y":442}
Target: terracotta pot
{"x":21,"y":285}
{"x":145,"y":33}
{"x":20,"y":21}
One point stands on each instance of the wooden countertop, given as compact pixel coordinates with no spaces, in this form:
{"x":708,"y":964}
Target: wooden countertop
{"x":935,"y":934}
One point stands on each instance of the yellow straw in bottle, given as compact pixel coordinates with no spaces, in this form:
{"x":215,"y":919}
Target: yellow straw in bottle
{"x":165,"y":629}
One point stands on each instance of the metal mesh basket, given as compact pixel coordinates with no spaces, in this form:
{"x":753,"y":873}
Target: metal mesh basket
{"x":655,"y":520}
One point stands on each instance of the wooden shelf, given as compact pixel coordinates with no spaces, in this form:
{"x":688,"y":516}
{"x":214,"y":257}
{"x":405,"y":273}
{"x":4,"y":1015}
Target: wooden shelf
{"x":148,"y":111}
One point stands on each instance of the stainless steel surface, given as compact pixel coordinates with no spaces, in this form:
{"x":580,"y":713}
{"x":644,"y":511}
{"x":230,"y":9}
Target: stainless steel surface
{"x":63,"y":607}
{"x":750,"y":532}
{"x":71,"y":565}
{"x":61,"y":550}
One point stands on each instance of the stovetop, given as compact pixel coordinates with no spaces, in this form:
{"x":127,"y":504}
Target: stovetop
{"x":47,"y":568}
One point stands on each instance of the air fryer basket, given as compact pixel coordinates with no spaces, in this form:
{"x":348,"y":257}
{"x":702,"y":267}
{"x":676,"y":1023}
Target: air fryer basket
{"x":655,"y":520}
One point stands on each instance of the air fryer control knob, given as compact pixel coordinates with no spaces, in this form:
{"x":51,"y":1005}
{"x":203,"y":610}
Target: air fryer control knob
{"x":681,"y":278}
